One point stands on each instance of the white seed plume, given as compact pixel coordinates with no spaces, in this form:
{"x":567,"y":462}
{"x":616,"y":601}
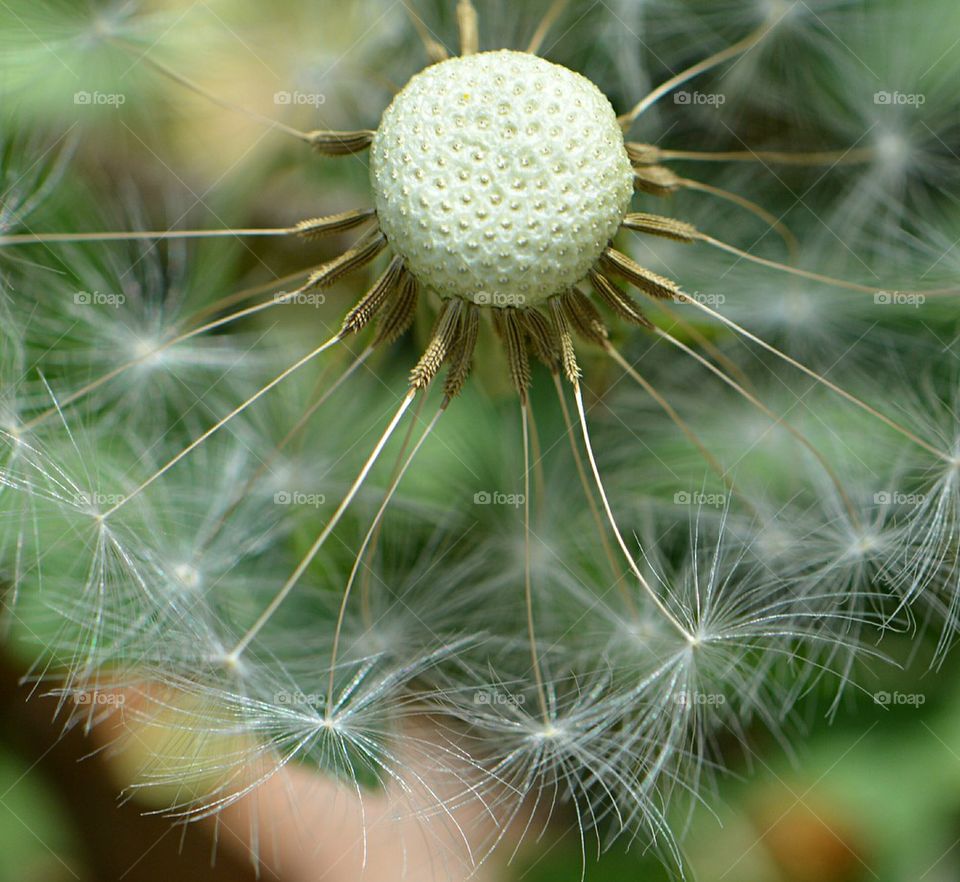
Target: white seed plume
{"x":500,"y":177}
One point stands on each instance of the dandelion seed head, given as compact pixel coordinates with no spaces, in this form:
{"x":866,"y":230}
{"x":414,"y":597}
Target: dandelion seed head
{"x":231,"y":661}
{"x":893,"y":151}
{"x":865,"y":543}
{"x":188,"y":575}
{"x":145,"y":350}
{"x":500,"y":174}
{"x":799,"y":308}
{"x":547,"y":732}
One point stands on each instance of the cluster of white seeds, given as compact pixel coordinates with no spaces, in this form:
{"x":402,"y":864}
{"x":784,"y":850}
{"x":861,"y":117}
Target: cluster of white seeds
{"x":500,"y":177}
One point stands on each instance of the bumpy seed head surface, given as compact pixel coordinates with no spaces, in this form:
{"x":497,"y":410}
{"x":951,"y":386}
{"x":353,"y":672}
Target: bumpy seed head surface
{"x":500,"y":177}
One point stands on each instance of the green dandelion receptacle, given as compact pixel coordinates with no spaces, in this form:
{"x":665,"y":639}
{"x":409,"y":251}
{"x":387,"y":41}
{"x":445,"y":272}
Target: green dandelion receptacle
{"x":500,"y":178}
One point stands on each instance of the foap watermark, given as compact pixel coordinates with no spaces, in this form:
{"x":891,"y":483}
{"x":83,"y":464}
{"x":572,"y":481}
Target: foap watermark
{"x":494,"y":298}
{"x":100,"y":699}
{"x":97,"y":499}
{"x":687,"y":497}
{"x":298,"y":699}
{"x":99,"y":298}
{"x":495,"y":497}
{"x":308,"y":99}
{"x":900,"y":99}
{"x":704,"y":299}
{"x":297,"y":497}
{"x":496,"y":697}
{"x":688,"y":698}
{"x":896,"y":699}
{"x":300,"y":298}
{"x":899,"y":298}
{"x":897,"y":497}
{"x":100,"y":99}
{"x":710,"y":99}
